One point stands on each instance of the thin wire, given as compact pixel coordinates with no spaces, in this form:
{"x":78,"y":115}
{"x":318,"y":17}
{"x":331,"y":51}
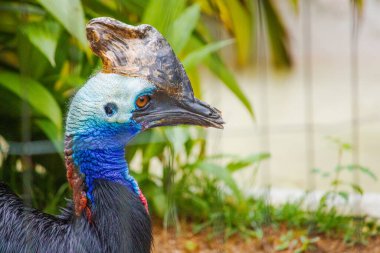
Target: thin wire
{"x":26,"y":125}
{"x":220,"y":225}
{"x":217,"y":147}
{"x":355,"y":112}
{"x":308,"y":96}
{"x":26,"y":159}
{"x":265,"y":131}
{"x":263,"y":74}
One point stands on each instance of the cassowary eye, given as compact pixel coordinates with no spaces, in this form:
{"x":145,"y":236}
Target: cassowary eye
{"x":142,"y":101}
{"x":110,"y":109}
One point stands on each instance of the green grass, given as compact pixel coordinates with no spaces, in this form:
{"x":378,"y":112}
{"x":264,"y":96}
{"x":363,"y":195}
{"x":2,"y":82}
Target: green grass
{"x":206,"y":193}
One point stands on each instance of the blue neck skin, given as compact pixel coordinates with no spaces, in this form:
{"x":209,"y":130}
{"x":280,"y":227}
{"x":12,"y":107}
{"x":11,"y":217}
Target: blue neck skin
{"x":100,"y":154}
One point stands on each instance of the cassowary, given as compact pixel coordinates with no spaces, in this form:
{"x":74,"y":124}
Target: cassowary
{"x":141,"y":85}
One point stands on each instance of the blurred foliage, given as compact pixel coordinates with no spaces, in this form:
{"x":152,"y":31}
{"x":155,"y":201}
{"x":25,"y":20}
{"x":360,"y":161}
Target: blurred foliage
{"x":203,"y":190}
{"x":215,"y":201}
{"x":191,"y":184}
{"x":44,"y":58}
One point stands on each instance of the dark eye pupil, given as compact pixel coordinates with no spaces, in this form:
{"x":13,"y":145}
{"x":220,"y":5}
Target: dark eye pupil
{"x":110,"y":109}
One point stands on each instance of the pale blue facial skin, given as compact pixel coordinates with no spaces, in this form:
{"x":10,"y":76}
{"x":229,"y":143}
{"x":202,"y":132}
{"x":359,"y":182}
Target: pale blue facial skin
{"x":99,"y":139}
{"x":101,"y":89}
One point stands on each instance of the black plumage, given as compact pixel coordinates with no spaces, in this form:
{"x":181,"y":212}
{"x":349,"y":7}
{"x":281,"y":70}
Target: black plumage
{"x":119,"y":223}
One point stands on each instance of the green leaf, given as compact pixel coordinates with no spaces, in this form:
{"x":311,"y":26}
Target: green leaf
{"x":341,"y":144}
{"x":346,"y":146}
{"x":282,"y":246}
{"x":58,"y":196}
{"x":134,"y":6}
{"x":183,"y":27}
{"x":277,"y":34}
{"x":220,"y":173}
{"x":19,"y":8}
{"x":162,"y":13}
{"x":314,"y":240}
{"x":363,"y":170}
{"x":357,"y":188}
{"x":336,"y":182}
{"x":325,"y":174}
{"x":339,"y":168}
{"x":197,"y":56}
{"x":160,"y":205}
{"x":32,"y":63}
{"x":344,"y":195}
{"x":35,"y":94}
{"x":224,"y":74}
{"x":242,"y":28}
{"x":44,"y":36}
{"x":154,"y":146}
{"x":259,"y":233}
{"x":70,"y":14}
{"x":295,"y":5}
{"x":194,"y":77}
{"x":191,"y":245}
{"x":200,"y":204}
{"x":367,"y":172}
{"x":154,"y":136}
{"x":52,"y":132}
{"x":238,"y":164}
{"x":358,"y":6}
{"x":199,"y":227}
{"x":177,"y":137}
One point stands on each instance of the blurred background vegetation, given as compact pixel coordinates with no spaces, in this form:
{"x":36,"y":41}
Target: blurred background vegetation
{"x":44,"y":59}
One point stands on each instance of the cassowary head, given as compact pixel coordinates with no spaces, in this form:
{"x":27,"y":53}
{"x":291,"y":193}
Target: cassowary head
{"x":142,"y":85}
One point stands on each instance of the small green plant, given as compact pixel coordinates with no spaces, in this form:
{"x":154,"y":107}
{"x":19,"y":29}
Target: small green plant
{"x":306,"y":244}
{"x":296,"y":243}
{"x":287,"y":241}
{"x":328,"y":218}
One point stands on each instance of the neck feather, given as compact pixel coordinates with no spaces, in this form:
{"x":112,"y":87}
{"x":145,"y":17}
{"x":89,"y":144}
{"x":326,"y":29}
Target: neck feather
{"x":122,"y":218}
{"x":106,"y":163}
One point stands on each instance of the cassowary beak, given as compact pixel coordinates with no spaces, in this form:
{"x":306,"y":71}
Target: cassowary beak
{"x":166,"y":111}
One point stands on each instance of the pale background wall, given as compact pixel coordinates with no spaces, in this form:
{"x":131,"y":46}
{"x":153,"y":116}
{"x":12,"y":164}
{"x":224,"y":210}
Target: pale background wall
{"x":331,"y":38}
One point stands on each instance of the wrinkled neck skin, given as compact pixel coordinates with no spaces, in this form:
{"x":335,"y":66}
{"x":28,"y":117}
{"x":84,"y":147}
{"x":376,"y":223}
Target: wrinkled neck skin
{"x":98,"y":156}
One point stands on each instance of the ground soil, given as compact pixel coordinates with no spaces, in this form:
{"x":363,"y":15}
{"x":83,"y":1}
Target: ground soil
{"x":170,"y":241}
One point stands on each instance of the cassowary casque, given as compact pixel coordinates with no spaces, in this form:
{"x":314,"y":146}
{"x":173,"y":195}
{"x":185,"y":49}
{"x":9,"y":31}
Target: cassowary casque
{"x":142,"y":85}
